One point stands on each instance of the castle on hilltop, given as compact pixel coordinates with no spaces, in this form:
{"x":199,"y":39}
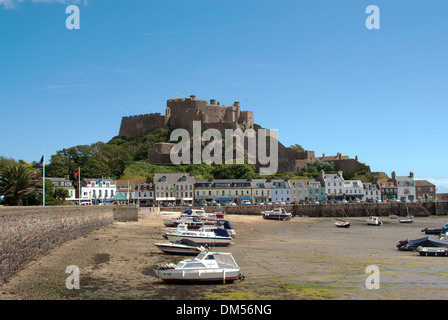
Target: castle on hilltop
{"x":181,"y":112}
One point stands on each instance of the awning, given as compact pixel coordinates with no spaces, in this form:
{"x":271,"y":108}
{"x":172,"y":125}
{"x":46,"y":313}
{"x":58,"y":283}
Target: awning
{"x":119,"y":197}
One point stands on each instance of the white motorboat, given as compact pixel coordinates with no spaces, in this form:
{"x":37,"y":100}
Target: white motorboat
{"x":276,"y":214}
{"x":212,"y":236}
{"x":206,"y":267}
{"x":432,"y":251}
{"x":205,"y":217}
{"x":374,"y":221}
{"x":182,"y":246}
{"x":191,"y":222}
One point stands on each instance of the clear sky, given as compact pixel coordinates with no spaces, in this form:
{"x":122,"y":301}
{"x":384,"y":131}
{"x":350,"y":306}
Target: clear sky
{"x":309,"y":68}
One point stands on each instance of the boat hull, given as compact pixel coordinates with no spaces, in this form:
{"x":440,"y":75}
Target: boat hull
{"x":199,"y":276}
{"x":439,"y":252}
{"x":276,"y":217}
{"x":178,"y":249}
{"x":342,"y":225}
{"x":217,"y":242}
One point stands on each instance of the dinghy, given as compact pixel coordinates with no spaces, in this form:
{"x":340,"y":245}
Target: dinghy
{"x":342,"y":224}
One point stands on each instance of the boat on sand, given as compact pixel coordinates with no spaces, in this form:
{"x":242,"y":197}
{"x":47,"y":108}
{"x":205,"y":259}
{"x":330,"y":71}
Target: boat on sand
{"x":182,"y":246}
{"x":208,"y":267}
{"x":276,"y":214}
{"x":374,"y":221}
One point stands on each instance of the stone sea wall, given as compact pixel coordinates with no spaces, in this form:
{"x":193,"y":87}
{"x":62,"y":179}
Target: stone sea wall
{"x":335,"y":210}
{"x":28,"y":233}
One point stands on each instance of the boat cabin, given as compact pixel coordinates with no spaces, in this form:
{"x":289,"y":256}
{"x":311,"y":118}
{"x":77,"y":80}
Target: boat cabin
{"x":209,"y":260}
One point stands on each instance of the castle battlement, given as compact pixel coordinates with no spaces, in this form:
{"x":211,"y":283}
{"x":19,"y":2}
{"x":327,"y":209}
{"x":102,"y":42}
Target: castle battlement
{"x":181,"y":112}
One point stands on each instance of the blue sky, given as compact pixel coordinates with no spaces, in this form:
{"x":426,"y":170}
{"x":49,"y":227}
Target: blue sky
{"x":310,"y":69}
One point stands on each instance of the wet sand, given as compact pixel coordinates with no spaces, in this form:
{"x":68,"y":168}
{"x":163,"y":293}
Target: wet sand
{"x":304,"y":258}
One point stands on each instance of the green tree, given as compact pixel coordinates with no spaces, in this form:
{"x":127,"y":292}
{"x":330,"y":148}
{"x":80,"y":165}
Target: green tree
{"x":61,"y":194}
{"x":233,"y":171}
{"x":297,"y":147}
{"x":18,"y":182}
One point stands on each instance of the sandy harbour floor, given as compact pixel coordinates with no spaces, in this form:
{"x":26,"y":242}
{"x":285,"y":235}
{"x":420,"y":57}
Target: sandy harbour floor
{"x":304,"y":258}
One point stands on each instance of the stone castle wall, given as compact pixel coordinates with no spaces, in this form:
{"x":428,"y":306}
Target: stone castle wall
{"x":181,"y":112}
{"x":137,"y":126}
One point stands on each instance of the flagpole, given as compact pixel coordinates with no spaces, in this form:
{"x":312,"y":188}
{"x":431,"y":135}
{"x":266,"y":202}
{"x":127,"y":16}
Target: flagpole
{"x":79,"y":184}
{"x":43,"y":165}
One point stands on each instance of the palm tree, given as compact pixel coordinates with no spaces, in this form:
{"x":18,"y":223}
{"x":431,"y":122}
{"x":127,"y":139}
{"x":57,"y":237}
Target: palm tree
{"x":17,"y":182}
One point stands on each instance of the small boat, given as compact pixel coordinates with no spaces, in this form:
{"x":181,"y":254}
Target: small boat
{"x":411,"y":245}
{"x":408,"y":219}
{"x":342,"y":224}
{"x":182,"y":246}
{"x":212,"y":236}
{"x":205,"y":217}
{"x":374,"y":221}
{"x":436,"y":231}
{"x":208,"y":267}
{"x":276,"y":214}
{"x":432,"y":251}
{"x":191,"y":222}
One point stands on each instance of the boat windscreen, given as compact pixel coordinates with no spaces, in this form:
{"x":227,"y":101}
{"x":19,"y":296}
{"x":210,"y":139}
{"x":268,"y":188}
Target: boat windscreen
{"x":221,"y":232}
{"x":188,"y":242}
{"x":225,"y":261}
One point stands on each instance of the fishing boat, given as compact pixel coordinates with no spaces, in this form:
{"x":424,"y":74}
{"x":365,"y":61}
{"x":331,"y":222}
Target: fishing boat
{"x":182,"y":246}
{"x":209,"y":266}
{"x":276,"y":214}
{"x":342,"y":223}
{"x":432,"y":251}
{"x":374,"y":221}
{"x":212,"y":236}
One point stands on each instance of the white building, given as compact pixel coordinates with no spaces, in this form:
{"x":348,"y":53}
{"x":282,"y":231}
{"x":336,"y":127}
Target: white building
{"x":405,"y":187}
{"x":66,"y":184}
{"x":353,"y":189}
{"x":372,"y":192}
{"x":98,"y":191}
{"x":333,"y":184}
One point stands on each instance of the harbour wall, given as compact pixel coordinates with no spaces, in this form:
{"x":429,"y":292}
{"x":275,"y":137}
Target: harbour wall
{"x":28,"y":233}
{"x":335,"y":210}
